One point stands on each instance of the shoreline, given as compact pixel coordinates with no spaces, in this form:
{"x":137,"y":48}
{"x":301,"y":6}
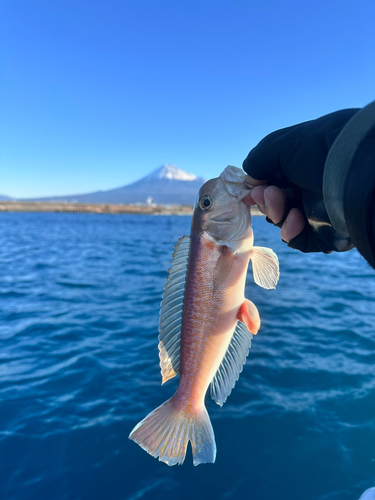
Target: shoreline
{"x":99,"y":208}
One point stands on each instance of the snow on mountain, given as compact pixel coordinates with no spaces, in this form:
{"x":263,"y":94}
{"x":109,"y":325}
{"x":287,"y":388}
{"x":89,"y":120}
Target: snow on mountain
{"x":168,"y":171}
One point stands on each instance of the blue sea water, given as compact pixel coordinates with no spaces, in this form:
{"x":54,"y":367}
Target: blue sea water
{"x":79,"y":305}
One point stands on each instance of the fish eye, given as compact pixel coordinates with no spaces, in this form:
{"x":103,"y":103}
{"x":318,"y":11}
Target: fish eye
{"x":205,"y":202}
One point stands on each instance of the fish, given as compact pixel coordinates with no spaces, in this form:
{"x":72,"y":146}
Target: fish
{"x":206,"y":323}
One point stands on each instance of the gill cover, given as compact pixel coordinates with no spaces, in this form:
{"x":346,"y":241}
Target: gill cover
{"x":219,"y":211}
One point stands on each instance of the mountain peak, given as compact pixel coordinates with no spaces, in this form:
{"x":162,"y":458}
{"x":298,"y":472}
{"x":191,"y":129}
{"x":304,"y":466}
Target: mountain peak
{"x":168,"y":171}
{"x":167,"y":185}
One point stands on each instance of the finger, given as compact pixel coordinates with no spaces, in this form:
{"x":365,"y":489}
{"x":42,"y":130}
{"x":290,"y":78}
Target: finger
{"x":253,"y":182}
{"x":274,"y":203}
{"x":293,"y":225}
{"x":248,"y":200}
{"x":271,"y":201}
{"x":257,"y":194}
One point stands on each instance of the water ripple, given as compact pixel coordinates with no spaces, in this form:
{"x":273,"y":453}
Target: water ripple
{"x":80,"y":297}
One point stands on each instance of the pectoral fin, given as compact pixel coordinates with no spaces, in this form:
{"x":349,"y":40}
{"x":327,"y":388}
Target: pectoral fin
{"x":265,"y":267}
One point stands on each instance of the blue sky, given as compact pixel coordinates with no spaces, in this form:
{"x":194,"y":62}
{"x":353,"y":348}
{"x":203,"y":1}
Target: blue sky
{"x":96,"y":94}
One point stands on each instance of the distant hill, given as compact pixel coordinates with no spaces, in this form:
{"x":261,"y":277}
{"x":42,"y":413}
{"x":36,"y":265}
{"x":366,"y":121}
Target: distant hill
{"x":5,"y":198}
{"x":167,"y":185}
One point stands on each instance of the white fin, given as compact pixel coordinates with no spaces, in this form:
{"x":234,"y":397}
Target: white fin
{"x":231,"y":366}
{"x":171,"y":311}
{"x":166,"y":431}
{"x":265,"y":267}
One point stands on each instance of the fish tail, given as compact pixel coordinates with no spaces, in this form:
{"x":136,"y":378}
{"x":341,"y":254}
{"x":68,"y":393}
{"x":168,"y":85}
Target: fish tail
{"x":166,"y":431}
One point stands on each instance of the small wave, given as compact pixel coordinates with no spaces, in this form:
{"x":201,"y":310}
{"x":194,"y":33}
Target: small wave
{"x":79,"y":367}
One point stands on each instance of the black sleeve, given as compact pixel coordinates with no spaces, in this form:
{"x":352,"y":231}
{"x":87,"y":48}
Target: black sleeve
{"x":349,"y":182}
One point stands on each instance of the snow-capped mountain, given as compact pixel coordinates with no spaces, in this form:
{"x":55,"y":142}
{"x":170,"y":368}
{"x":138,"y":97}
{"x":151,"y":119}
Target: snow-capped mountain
{"x":168,"y":171}
{"x":167,"y":185}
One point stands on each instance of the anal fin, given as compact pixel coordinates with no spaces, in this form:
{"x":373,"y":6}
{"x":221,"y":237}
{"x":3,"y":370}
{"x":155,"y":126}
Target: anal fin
{"x":231,"y":366}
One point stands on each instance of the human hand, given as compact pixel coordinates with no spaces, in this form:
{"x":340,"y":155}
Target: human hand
{"x":286,"y":169}
{"x":272,"y":202}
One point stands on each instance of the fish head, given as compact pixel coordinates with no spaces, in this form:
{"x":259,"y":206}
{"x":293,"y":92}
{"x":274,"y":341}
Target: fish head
{"x":219,"y":210}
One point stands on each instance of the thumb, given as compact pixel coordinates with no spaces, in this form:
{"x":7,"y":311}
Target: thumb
{"x":254,"y":182}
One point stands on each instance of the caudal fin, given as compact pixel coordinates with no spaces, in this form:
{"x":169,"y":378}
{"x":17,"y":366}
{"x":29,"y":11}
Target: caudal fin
{"x":165,"y":433}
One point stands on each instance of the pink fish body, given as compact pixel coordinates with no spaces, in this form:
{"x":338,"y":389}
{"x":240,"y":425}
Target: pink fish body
{"x":206,"y":324}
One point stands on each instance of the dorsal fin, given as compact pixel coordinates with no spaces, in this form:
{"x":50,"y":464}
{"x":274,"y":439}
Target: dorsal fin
{"x":171,"y":311}
{"x":231,"y":366}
